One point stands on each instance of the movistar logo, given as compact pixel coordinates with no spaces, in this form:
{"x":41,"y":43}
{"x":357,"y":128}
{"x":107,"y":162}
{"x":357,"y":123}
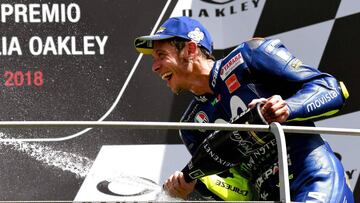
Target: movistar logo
{"x":319,"y":102}
{"x":217,"y":1}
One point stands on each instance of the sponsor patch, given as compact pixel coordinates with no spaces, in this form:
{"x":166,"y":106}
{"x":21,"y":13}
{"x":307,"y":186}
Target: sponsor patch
{"x":284,"y":55}
{"x":201,"y":117}
{"x":270,"y":47}
{"x":196,"y":35}
{"x":216,"y":100}
{"x":201,"y":98}
{"x":321,"y":100}
{"x":296,"y":63}
{"x":215,"y":75}
{"x":161,"y":29}
{"x":232,"y":83}
{"x":234,"y":62}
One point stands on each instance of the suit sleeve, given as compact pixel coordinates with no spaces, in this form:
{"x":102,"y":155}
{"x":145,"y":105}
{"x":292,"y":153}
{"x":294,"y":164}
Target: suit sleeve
{"x":317,"y":93}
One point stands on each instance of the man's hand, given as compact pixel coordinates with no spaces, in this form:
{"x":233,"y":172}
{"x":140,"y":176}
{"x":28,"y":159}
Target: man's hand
{"x":274,"y":108}
{"x":176,"y":185}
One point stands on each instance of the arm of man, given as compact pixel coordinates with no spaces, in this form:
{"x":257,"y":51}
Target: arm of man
{"x":307,"y":92}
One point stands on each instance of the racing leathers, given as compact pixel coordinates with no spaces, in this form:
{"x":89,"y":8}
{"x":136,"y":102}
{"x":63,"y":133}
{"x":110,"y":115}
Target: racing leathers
{"x":261,"y":68}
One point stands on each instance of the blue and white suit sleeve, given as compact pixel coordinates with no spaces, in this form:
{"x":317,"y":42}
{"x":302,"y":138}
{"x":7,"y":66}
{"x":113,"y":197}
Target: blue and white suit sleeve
{"x":314,"y":93}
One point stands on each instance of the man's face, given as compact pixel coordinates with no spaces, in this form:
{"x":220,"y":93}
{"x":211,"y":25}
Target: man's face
{"x":170,"y":65}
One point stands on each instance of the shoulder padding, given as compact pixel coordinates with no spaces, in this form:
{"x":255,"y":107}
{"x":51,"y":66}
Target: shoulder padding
{"x":255,"y":42}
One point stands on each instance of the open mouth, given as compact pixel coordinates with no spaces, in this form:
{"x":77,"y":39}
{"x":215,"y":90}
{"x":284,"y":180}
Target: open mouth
{"x":166,"y":76}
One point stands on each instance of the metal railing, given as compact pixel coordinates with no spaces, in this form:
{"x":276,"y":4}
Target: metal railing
{"x":275,"y":128}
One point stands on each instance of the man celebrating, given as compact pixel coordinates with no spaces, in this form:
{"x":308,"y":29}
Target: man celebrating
{"x":259,"y":70}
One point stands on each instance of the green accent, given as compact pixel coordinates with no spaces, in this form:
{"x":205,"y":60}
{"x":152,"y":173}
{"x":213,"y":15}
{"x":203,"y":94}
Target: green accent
{"x":258,"y":139}
{"x":329,"y":113}
{"x":236,"y":188}
{"x":344,"y":90}
{"x":214,"y":102}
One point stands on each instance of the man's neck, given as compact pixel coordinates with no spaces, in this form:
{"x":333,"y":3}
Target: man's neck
{"x":200,"y":80}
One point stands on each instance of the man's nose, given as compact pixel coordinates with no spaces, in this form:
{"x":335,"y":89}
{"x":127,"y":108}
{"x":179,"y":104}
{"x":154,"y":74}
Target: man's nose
{"x":155,"y":66}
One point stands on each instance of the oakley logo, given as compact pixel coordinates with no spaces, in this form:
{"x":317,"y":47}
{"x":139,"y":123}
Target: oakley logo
{"x":217,"y":1}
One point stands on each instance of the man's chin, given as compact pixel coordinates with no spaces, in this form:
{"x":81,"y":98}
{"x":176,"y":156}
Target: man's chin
{"x":177,"y":91}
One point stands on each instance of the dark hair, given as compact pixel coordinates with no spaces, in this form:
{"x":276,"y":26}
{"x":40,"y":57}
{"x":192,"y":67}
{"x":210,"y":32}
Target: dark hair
{"x":179,"y":44}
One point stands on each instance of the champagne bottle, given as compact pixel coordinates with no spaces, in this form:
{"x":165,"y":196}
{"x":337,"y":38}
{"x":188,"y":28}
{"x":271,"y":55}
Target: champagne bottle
{"x":225,"y":149}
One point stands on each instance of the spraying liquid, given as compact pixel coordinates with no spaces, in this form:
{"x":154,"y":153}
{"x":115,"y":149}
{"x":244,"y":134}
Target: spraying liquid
{"x":47,"y":155}
{"x":122,"y":184}
{"x":126,"y":186}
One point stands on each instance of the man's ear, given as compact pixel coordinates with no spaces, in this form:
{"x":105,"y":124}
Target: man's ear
{"x":192,"y":48}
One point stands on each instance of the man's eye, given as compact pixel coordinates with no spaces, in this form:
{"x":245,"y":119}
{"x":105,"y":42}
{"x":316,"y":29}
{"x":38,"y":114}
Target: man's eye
{"x":161,"y":55}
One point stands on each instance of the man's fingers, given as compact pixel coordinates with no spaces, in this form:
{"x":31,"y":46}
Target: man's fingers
{"x":169,"y":183}
{"x":255,"y":101}
{"x":271,"y":102}
{"x":280,"y":115}
{"x":186,"y":185}
{"x":275,"y":109}
{"x":176,"y":185}
{"x":269,"y":105}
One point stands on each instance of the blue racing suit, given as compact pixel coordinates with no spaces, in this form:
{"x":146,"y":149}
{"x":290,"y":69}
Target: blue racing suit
{"x":261,"y":68}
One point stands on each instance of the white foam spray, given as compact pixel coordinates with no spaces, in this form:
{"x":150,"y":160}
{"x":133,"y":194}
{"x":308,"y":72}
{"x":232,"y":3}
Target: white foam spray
{"x":80,"y":166}
{"x":65,"y":161}
{"x":138,"y":182}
